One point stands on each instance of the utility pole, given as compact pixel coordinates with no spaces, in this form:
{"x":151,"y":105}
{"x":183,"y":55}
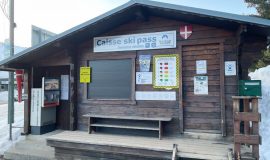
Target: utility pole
{"x":11,"y":74}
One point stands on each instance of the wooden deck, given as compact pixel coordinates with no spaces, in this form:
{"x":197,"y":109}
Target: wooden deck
{"x":134,"y":146}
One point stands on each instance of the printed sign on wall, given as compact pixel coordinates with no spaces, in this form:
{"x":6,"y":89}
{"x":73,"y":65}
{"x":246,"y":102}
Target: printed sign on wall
{"x":166,"y":71}
{"x":230,"y":68}
{"x":144,"y":41}
{"x":201,"y":67}
{"x":144,"y":61}
{"x":143,"y":77}
{"x":201,"y":85}
{"x":156,"y":95}
{"x":85,"y":73}
{"x":64,"y":87}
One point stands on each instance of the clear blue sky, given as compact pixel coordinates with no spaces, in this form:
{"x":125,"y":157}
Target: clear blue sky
{"x":231,"y":6}
{"x":60,"y":15}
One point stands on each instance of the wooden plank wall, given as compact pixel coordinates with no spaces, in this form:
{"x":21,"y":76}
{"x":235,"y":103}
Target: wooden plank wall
{"x":60,"y":63}
{"x":62,"y":115}
{"x":201,"y":111}
{"x":231,"y":82}
{"x":202,"y":34}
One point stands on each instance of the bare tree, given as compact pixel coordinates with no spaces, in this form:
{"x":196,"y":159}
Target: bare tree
{"x":4,"y":7}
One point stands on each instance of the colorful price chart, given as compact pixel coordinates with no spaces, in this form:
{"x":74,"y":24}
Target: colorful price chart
{"x":166,"y":71}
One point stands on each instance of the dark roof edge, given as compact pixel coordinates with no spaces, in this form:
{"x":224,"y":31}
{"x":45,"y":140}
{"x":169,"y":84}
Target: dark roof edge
{"x":216,"y":14}
{"x":77,"y":28}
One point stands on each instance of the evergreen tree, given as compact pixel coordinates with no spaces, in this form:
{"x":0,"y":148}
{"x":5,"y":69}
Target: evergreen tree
{"x":262,"y":6}
{"x":263,"y":9}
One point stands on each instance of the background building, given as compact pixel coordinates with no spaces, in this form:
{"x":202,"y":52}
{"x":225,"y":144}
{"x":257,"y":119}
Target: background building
{"x":4,"y":53}
{"x":39,"y":35}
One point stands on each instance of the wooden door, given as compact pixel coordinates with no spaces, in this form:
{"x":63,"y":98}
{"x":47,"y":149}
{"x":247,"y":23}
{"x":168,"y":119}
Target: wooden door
{"x":201,"y":112}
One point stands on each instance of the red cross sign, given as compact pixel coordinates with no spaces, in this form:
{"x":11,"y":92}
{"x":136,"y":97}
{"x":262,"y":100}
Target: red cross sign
{"x":185,"y":31}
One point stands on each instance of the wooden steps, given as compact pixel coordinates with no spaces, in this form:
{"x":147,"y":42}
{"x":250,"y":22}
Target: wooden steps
{"x":75,"y":143}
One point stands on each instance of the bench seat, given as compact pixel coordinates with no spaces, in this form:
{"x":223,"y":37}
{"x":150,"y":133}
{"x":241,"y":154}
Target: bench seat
{"x":138,"y":126}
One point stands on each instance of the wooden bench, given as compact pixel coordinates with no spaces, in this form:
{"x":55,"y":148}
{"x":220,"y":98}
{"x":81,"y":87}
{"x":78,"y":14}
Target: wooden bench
{"x":145,"y":122}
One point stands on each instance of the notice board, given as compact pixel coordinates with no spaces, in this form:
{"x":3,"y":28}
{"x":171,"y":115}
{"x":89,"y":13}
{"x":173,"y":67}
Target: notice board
{"x":166,"y":71}
{"x":85,"y":74}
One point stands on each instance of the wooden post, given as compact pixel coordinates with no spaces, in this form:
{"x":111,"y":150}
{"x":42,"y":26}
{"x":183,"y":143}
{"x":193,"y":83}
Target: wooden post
{"x":160,"y":130}
{"x":237,"y":146}
{"x":255,"y":129}
{"x":72,"y":97}
{"x":250,"y":137}
{"x":222,"y":90}
{"x":27,"y":102}
{"x":181,"y":110}
{"x":73,"y":68}
{"x":246,"y":109}
{"x":89,"y":125}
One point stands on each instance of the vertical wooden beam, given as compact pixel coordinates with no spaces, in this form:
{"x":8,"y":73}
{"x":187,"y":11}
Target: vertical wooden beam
{"x":255,"y":128}
{"x":73,"y":68}
{"x":246,"y":109}
{"x":222,"y":90}
{"x":89,"y":125}
{"x":181,"y":109}
{"x":27,"y":102}
{"x":133,"y":79}
{"x":72,"y":97}
{"x":160,"y":133}
{"x":237,"y":146}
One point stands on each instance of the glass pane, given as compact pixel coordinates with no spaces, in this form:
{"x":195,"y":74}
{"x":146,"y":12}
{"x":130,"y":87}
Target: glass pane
{"x":110,"y":79}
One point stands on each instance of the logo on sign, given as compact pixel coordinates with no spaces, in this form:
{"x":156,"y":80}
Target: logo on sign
{"x":165,"y":40}
{"x":185,"y":31}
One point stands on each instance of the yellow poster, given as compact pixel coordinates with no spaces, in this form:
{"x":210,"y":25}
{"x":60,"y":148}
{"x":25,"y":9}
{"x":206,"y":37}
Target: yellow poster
{"x":85,"y":74}
{"x":166,"y":71}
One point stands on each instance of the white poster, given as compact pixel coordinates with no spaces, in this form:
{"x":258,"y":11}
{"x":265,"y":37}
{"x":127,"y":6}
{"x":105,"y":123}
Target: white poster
{"x":144,"y":61}
{"x":156,"y":95}
{"x":143,"y":77}
{"x":36,"y":103}
{"x":201,"y":67}
{"x":201,"y":85}
{"x":64,"y":87}
{"x":144,"y":41}
{"x":230,"y":68}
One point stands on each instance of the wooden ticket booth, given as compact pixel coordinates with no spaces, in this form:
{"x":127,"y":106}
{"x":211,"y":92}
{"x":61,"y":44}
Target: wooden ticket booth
{"x":145,"y":67}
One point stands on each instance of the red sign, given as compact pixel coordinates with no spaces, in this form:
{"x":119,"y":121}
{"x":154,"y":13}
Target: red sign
{"x":185,"y":31}
{"x":19,"y":79}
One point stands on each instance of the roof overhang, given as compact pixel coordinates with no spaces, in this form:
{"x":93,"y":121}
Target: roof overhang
{"x":128,"y":12}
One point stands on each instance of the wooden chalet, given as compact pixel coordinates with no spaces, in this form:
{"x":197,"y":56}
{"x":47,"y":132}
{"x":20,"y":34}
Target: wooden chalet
{"x":119,"y":117}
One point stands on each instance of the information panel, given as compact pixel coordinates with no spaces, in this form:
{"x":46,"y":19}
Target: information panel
{"x":166,"y":71}
{"x":85,"y":73}
{"x":201,"y":85}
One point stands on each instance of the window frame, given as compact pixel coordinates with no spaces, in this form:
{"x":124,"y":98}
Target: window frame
{"x":122,"y":56}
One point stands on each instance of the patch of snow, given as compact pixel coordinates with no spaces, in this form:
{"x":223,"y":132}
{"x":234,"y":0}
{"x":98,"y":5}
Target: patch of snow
{"x":263,"y":74}
{"x":4,"y":95}
{"x":5,"y":143}
{"x":3,"y":74}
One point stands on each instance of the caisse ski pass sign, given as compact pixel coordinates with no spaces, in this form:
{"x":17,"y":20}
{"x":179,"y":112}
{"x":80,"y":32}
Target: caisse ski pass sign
{"x":185,"y":31}
{"x":143,"y":41}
